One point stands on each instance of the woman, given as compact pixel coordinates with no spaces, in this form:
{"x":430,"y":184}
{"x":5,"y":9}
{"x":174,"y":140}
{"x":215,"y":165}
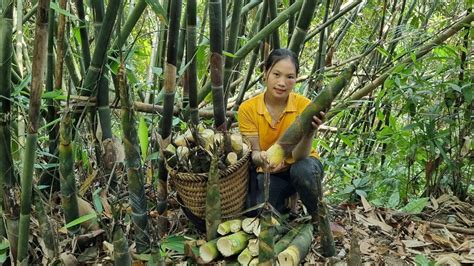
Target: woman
{"x":264,"y":118}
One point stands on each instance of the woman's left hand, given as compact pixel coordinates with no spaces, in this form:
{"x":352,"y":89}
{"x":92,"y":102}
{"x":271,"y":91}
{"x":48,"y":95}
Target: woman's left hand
{"x":318,"y":120}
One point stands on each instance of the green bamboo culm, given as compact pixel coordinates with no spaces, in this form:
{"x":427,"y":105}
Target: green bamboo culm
{"x":122,"y":255}
{"x":272,"y":10}
{"x":213,"y":200}
{"x":266,"y":239}
{"x":86,"y":53}
{"x":302,"y":25}
{"x":6,"y":52}
{"x":100,"y":53}
{"x":8,"y":184}
{"x":136,"y":179}
{"x":302,"y":125}
{"x":217,"y":63}
{"x":191,"y":7}
{"x":39,"y":60}
{"x":66,"y":173}
{"x":231,"y":46}
{"x":255,"y":41}
{"x":169,"y":93}
{"x":50,"y":177}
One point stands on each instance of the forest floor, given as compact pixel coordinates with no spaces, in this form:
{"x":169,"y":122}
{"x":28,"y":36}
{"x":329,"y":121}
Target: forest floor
{"x":442,"y":233}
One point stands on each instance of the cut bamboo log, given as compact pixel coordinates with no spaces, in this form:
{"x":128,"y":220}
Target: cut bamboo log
{"x":229,"y":226}
{"x":231,"y":158}
{"x":254,"y":261}
{"x":233,"y":244}
{"x":298,"y":248}
{"x":208,"y":251}
{"x":249,"y":223}
{"x":253,"y":247}
{"x":245,"y":257}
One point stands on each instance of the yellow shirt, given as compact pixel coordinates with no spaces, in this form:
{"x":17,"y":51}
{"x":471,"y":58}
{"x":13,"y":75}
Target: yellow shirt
{"x":255,"y":120}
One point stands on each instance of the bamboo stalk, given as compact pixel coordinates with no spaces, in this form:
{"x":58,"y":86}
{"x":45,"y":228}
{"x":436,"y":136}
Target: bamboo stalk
{"x":86,"y":53}
{"x":272,"y":10}
{"x":169,"y":92}
{"x":302,"y":125}
{"x":217,"y":63}
{"x":136,"y":180}
{"x":302,"y":25}
{"x":39,"y":59}
{"x":231,"y":46}
{"x":9,"y":205}
{"x":190,"y":57}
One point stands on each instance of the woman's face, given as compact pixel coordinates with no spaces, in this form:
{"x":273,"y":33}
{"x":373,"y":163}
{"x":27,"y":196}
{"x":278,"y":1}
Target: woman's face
{"x":281,"y":79}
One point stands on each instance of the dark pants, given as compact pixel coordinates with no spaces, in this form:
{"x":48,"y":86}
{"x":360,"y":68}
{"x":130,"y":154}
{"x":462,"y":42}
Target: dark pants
{"x":304,"y":176}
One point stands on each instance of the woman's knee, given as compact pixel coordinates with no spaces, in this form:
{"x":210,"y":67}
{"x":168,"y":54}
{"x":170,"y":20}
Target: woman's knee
{"x":307,"y":168}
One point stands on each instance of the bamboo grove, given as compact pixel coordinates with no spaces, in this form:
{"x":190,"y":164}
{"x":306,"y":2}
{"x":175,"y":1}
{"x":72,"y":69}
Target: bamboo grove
{"x":93,"y":91}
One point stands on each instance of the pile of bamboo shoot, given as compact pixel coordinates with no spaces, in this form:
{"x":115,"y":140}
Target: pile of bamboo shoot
{"x":239,"y":241}
{"x":192,"y":150}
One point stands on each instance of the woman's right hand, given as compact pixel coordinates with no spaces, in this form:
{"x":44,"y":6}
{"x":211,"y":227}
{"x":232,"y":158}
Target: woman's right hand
{"x":271,"y":168}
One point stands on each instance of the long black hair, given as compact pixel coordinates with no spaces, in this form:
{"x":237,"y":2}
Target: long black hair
{"x":279,"y":54}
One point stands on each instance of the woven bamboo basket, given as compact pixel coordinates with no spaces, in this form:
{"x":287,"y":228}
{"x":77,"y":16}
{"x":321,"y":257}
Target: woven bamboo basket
{"x":191,"y":188}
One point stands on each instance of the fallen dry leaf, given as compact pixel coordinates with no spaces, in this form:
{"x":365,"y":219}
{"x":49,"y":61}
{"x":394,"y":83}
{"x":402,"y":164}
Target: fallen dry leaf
{"x":414,"y":243}
{"x":365,"y":204}
{"x":451,"y":259}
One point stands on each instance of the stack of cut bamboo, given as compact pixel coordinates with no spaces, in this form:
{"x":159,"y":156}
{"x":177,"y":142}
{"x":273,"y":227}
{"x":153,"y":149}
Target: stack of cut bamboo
{"x":192,"y":151}
{"x":239,"y":240}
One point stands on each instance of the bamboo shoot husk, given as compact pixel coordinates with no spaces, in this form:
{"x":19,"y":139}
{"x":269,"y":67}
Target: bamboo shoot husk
{"x":254,"y":261}
{"x":233,"y":244}
{"x":298,"y":248}
{"x":208,"y":251}
{"x":213,"y":200}
{"x":229,"y":226}
{"x":302,"y":125}
{"x":285,"y":241}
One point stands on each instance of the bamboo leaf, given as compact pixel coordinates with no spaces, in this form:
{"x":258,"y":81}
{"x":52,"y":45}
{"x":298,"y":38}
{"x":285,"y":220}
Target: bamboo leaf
{"x":96,"y":200}
{"x":143,"y":136}
{"x":394,"y":199}
{"x":81,"y":219}
{"x":227,"y":54}
{"x":54,"y":95}
{"x":415,"y":206}
{"x":5,"y":244}
{"x":66,"y":13}
{"x":158,"y":9}
{"x":174,"y":243}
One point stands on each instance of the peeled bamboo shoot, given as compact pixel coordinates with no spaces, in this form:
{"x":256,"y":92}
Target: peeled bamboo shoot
{"x":231,"y":158}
